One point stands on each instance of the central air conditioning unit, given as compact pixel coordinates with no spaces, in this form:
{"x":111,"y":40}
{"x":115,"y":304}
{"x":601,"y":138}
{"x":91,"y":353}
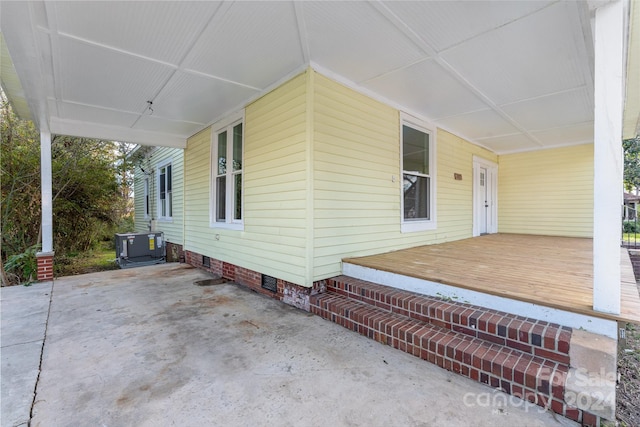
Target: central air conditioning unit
{"x":138,"y":249}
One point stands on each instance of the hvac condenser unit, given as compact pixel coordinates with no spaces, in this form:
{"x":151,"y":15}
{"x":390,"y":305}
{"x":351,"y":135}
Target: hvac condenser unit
{"x":138,"y":249}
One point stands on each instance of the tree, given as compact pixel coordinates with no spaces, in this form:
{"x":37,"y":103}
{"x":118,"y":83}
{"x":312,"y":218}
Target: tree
{"x":125,"y":165}
{"x":631,"y":149}
{"x":20,"y":178}
{"x":87,"y":194}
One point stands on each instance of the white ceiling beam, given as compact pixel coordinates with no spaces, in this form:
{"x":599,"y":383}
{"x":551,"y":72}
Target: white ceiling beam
{"x":111,"y":48}
{"x":222,"y":79}
{"x":115,"y":133}
{"x":21,"y":39}
{"x":10,"y":83}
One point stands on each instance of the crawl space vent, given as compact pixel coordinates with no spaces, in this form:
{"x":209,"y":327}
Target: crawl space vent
{"x":206,"y":261}
{"x":270,"y":283}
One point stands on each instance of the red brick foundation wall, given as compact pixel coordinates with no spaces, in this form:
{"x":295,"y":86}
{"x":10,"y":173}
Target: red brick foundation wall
{"x":195,"y":260}
{"x":45,"y":266}
{"x":175,"y":253}
{"x":287,"y":292}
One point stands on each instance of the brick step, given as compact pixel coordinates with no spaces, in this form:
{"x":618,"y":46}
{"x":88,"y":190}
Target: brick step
{"x":539,"y":338}
{"x":516,"y":372}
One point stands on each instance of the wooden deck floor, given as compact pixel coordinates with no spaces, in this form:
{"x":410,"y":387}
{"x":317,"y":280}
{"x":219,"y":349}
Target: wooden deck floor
{"x":551,"y":271}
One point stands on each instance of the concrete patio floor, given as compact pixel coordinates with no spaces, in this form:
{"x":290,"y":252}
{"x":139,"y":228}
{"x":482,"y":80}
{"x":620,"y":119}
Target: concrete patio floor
{"x":147,"y":347}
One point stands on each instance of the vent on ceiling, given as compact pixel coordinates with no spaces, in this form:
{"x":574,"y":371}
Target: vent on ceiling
{"x":270,"y":283}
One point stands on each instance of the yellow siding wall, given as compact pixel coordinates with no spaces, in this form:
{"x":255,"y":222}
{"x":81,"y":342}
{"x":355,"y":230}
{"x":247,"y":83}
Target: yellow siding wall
{"x":173,"y":229}
{"x":322,"y":181}
{"x":548,"y":192}
{"x":356,"y":203}
{"x":275,"y":224}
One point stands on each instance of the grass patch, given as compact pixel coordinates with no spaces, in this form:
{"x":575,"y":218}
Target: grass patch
{"x":100,"y":259}
{"x":631,"y":237}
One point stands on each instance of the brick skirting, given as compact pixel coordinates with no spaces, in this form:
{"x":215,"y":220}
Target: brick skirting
{"x":175,"y":253}
{"x":287,"y":292}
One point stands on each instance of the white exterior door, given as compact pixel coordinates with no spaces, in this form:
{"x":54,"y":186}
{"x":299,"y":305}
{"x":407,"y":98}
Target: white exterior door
{"x":485,"y":191}
{"x":483,"y":200}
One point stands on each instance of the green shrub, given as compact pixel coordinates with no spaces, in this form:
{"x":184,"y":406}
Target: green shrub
{"x":24,"y":266}
{"x":630,"y":227}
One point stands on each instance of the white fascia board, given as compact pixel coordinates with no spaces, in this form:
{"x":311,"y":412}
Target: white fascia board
{"x":115,"y":133}
{"x":20,"y":34}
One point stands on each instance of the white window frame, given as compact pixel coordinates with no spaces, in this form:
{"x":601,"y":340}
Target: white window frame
{"x":230,"y":223}
{"x":147,"y":200}
{"x":161,"y":217}
{"x":410,"y":226}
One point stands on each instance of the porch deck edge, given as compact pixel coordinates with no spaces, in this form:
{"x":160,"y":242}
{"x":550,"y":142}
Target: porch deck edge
{"x":444,"y":279}
{"x":596,"y":324}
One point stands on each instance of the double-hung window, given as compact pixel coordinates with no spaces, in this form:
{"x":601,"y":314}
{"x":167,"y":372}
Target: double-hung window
{"x":165,"y":197}
{"x":418,"y":176}
{"x":226,"y":172}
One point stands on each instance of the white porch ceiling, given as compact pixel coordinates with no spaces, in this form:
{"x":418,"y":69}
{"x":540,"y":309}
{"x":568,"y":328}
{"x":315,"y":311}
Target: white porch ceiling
{"x":510,"y":76}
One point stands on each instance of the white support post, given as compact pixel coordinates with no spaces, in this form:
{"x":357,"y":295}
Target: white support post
{"x":609,"y":24}
{"x":47,"y":202}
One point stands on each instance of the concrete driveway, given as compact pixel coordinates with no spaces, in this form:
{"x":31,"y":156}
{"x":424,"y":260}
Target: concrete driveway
{"x":147,"y":347}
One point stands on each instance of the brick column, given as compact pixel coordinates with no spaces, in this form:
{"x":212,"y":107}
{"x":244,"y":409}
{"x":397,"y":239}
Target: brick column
{"x":45,"y":266}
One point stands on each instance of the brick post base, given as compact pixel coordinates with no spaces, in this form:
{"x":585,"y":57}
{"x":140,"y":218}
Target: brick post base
{"x":45,"y":266}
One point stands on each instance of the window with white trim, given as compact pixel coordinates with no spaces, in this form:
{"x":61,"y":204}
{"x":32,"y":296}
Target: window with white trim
{"x":165,"y":194}
{"x":226,"y":174}
{"x":418,"y":176}
{"x":147,"y":201}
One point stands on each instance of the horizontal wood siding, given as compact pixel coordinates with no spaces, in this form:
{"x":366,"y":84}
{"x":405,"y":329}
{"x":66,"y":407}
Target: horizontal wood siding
{"x":273,"y":241}
{"x":173,"y":229}
{"x":547,"y":192}
{"x":356,"y":161}
{"x":196,"y":193}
